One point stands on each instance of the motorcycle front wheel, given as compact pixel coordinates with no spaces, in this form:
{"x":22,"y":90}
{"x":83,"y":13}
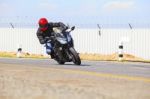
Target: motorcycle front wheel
{"x":75,"y":57}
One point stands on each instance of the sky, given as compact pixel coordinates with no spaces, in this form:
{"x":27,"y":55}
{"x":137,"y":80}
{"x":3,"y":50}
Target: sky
{"x":76,"y":11}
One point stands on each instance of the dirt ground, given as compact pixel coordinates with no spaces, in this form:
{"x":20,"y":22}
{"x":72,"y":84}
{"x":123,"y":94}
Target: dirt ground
{"x":26,"y":82}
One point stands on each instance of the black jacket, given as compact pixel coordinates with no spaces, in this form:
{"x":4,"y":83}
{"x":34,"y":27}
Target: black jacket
{"x":42,"y":35}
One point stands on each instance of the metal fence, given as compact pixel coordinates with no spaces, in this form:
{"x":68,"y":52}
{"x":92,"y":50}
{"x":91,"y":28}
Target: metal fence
{"x":104,"y":41}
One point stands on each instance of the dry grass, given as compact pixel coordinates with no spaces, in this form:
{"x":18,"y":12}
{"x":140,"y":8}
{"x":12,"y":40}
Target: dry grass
{"x":83,"y":56}
{"x":112,"y":57}
{"x":109,"y":57}
{"x":24,"y":55}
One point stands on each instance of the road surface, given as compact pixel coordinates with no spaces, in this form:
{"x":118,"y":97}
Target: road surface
{"x":45,"y":79}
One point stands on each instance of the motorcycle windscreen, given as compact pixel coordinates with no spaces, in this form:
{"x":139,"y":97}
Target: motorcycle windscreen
{"x":69,"y":37}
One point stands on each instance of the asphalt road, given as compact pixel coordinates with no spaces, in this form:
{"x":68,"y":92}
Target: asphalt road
{"x":113,"y":68}
{"x":45,"y":79}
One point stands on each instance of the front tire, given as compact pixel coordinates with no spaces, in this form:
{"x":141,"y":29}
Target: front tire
{"x":75,"y":57}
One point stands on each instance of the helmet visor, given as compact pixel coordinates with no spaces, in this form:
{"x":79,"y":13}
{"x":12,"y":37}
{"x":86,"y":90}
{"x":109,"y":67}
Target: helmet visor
{"x":43,"y":27}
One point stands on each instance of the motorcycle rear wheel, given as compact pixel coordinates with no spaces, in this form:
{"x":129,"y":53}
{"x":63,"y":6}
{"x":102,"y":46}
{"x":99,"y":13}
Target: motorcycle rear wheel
{"x":60,"y":62}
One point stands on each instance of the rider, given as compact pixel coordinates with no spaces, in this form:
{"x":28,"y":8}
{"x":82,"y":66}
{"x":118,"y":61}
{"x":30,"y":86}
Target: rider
{"x":45,"y":31}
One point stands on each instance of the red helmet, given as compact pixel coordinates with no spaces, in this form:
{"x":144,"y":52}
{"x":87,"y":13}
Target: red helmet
{"x":43,"y":24}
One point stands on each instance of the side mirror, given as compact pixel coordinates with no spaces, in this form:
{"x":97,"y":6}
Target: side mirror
{"x":72,"y":28}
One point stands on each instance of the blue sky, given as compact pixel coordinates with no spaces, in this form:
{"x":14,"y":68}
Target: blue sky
{"x":77,"y":11}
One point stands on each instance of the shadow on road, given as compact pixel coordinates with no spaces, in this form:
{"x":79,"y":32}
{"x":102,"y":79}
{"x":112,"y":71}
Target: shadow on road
{"x":71,"y":64}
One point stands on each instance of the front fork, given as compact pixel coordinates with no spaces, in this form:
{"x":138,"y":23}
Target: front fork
{"x":68,"y":55}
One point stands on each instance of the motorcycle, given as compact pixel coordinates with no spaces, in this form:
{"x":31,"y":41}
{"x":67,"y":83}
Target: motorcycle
{"x":63,"y":46}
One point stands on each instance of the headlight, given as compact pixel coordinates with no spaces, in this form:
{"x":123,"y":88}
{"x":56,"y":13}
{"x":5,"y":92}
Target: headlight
{"x":57,"y":30}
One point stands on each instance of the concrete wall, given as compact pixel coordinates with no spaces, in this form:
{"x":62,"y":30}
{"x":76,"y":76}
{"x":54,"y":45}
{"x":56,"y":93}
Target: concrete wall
{"x":136,"y":41}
